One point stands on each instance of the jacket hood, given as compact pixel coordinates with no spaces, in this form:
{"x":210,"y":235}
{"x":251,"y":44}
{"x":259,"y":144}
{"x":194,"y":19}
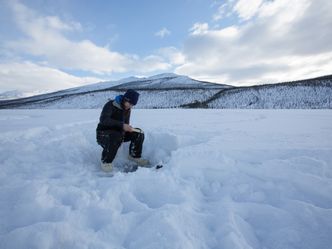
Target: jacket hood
{"x":118,"y":101}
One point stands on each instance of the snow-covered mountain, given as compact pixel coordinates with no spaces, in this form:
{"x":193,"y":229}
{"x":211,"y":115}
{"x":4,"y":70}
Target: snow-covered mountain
{"x":159,"y":91}
{"x":176,"y":91}
{"x":168,"y":81}
{"x":15,"y":94}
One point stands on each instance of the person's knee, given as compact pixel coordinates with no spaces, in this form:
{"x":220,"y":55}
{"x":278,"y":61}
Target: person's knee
{"x":109,"y":137}
{"x":140,"y":134}
{"x":139,"y":130}
{"x":116,"y":136}
{"x":102,"y":139}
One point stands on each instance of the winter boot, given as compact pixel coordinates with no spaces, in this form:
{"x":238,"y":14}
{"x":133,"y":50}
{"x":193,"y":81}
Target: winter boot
{"x":107,"y":167}
{"x":140,"y":161}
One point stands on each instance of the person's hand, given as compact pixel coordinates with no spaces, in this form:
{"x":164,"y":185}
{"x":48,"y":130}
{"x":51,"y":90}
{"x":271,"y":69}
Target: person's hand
{"x":127,"y":128}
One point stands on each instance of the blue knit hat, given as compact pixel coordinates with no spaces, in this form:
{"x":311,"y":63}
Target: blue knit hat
{"x":131,"y":96}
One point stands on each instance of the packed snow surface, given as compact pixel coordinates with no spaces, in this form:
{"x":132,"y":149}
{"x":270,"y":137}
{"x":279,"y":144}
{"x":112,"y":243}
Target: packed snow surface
{"x":231,"y":179}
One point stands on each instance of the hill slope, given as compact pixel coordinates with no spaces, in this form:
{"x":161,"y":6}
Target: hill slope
{"x":174,"y":91}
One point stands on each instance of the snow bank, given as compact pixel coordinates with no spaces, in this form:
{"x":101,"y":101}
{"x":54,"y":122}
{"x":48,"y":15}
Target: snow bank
{"x":231,"y":179}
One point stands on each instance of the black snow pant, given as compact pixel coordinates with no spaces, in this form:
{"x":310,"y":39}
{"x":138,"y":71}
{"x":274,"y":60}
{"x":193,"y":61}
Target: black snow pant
{"x":111,"y":141}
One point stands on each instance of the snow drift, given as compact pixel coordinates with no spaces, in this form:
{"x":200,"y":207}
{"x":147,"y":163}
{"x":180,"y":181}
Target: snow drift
{"x":231,"y":179}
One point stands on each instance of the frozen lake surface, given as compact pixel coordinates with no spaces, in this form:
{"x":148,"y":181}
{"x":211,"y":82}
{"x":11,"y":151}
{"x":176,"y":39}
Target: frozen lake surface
{"x":231,"y":179}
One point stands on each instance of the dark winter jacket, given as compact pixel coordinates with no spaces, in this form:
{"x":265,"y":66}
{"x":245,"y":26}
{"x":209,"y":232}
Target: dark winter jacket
{"x":113,"y":116}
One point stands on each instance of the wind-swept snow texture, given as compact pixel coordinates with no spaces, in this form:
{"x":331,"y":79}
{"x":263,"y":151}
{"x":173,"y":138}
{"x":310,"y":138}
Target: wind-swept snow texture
{"x":231,"y":179}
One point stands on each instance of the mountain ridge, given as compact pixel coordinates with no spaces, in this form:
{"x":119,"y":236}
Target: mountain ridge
{"x":178,"y":91}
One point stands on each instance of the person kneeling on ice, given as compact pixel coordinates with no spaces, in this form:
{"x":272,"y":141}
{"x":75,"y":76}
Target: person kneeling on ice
{"x":114,"y":128}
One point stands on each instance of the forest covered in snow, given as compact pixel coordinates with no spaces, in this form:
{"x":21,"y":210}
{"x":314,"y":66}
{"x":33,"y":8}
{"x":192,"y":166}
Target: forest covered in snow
{"x":174,"y":91}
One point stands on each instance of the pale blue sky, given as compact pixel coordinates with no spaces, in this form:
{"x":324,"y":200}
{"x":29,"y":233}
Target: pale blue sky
{"x":59,"y":44}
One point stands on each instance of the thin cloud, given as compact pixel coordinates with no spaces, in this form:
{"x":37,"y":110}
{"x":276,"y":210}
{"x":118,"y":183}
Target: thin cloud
{"x":281,"y":40}
{"x":221,"y":13}
{"x":199,"y":28}
{"x":172,"y":54}
{"x":28,"y":76}
{"x":246,"y":9}
{"x":44,"y":41}
{"x":163,"y":32}
{"x":45,"y":37}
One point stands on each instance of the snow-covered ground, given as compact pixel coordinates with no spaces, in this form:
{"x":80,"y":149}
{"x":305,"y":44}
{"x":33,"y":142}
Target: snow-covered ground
{"x":231,"y":179}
